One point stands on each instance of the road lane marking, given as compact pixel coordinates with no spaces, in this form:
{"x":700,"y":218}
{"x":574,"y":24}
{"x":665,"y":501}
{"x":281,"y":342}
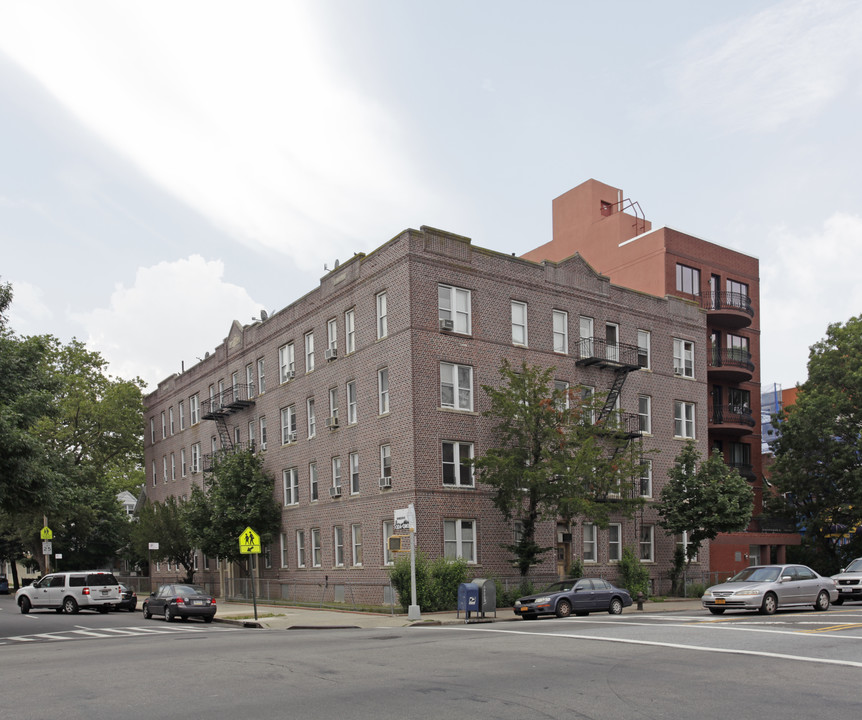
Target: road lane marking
{"x":674,"y":646}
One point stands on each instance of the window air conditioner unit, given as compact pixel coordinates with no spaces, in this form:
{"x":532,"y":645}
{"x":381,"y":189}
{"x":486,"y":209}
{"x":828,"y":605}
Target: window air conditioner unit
{"x":332,"y":422}
{"x":447,"y":324}
{"x":335,"y":492}
{"x":331,"y":354}
{"x":677,"y":371}
{"x":385,"y":482}
{"x":289,"y":375}
{"x":291,"y":437}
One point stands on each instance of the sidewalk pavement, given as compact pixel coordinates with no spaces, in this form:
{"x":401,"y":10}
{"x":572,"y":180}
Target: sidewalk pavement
{"x":281,"y":617}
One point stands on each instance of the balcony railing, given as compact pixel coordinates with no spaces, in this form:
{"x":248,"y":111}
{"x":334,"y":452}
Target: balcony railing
{"x":726,"y":300}
{"x":730,"y":358}
{"x":227,"y":402}
{"x":598,"y":351}
{"x":733,"y":415}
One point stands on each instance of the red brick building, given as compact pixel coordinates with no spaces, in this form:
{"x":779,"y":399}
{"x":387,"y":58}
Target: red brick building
{"x":365,"y":395}
{"x":611,"y":233}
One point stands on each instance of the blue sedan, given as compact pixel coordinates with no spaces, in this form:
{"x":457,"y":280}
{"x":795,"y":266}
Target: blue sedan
{"x":581,"y":597}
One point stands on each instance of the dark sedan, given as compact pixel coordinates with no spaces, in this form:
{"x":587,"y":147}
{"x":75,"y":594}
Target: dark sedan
{"x":128,"y":599}
{"x":179,"y":600}
{"x":581,"y":597}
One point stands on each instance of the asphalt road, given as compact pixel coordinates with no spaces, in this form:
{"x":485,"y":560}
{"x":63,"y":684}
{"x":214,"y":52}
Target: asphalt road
{"x":671,"y":665}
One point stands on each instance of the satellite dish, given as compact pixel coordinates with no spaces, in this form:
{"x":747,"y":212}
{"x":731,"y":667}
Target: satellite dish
{"x":263,"y":315}
{"x":336,"y":263}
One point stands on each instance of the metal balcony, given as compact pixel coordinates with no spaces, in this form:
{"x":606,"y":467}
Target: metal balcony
{"x":729,"y":364}
{"x":732,"y":419}
{"x":234,"y":399}
{"x":730,"y":309}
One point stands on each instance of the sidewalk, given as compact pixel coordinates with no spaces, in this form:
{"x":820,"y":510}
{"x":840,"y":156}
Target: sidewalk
{"x":280,"y":617}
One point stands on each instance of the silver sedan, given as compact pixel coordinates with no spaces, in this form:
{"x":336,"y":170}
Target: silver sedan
{"x":766,"y":588}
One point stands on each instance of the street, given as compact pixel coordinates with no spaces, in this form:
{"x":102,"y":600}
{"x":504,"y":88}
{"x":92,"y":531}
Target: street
{"x":662,"y":665}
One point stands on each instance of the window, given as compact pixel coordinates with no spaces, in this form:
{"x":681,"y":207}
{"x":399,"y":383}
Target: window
{"x":173,"y":467}
{"x":737,"y":294}
{"x":356,"y":541}
{"x":288,"y":424}
{"x":737,"y":348}
{"x":309,"y":352}
{"x":261,"y":376}
{"x":263,"y":433}
{"x":283,"y":549}
{"x":182,"y":411}
{"x":155,"y":473}
{"x":286,"y":363}
{"x":561,"y":388}
{"x":213,"y":444}
{"x":644,"y":349}
{"x":351,"y":402}
{"x":739,"y":401}
{"x":615,"y":542}
{"x":388,"y":532}
{"x":647,"y":537}
{"x":171,"y":419}
{"x":152,"y":430}
{"x":183,"y":467}
{"x":338,"y":545}
{"x":383,"y":391}
{"x":316,"y":553}
{"x":164,"y":426}
{"x":586,"y":336}
{"x":561,"y":332}
{"x":311,"y":420}
{"x":332,"y":336}
{"x":459,"y":540}
{"x":290,"y":481}
{"x":684,"y":542}
{"x":589,"y":410}
{"x":456,"y":386}
{"x":194,"y":409}
{"x":457,"y":464}
{"x":267,"y":556}
{"x":333,"y":402}
{"x":683,"y":358}
{"x":312,"y":481}
{"x":236,"y":437}
{"x":300,"y":548}
{"x":353,"y":466}
{"x":385,"y":461}
{"x":251,"y":425}
{"x":612,"y":342}
{"x":382,"y":316}
{"x":589,"y":542}
{"x":683,"y":419}
{"x":687,"y":280}
{"x":164,"y":468}
{"x":519,"y":323}
{"x":646,"y":478}
{"x":196,"y":458}
{"x":645,"y":414}
{"x":336,"y":472}
{"x":249,"y":379}
{"x":349,"y":331}
{"x":454,"y":309}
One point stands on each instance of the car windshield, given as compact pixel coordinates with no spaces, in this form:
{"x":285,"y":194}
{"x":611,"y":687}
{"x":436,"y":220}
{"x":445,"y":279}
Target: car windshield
{"x":855,"y":566}
{"x":757,"y":574}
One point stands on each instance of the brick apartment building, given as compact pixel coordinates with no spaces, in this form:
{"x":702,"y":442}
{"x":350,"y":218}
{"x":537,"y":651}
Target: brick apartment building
{"x":365,"y":394}
{"x":611,"y":233}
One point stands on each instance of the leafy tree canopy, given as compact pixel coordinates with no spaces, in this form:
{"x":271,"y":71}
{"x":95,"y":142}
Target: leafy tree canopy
{"x":703,"y":499}
{"x":165,"y":523}
{"x":818,"y":459}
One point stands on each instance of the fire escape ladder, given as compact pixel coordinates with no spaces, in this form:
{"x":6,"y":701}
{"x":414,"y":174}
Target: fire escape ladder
{"x":223,"y":432}
{"x":620,"y":375}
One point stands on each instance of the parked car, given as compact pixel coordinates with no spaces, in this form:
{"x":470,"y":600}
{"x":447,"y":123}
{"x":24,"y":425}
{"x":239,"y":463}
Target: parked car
{"x":128,"y":599}
{"x":70,"y":592}
{"x":179,"y":600}
{"x":579,"y":596}
{"x":849,"y":582}
{"x":766,"y":588}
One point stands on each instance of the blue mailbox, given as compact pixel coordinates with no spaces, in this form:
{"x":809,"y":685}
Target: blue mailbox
{"x":468,"y":599}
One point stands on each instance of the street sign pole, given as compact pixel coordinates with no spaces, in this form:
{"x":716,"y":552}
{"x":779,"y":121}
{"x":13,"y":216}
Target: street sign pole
{"x":253,"y":594}
{"x":249,"y":544}
{"x":413,"y":612}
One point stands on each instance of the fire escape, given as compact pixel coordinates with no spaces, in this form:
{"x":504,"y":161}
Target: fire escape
{"x":219,"y":408}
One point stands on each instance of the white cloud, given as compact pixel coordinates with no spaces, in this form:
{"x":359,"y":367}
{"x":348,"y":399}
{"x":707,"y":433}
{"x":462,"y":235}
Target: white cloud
{"x":238,"y":111}
{"x":809,"y":281}
{"x":783,"y":64}
{"x":29,"y":312}
{"x":174,"y":311}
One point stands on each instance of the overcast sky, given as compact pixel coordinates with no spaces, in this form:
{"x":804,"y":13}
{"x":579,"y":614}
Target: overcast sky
{"x":167,"y":167}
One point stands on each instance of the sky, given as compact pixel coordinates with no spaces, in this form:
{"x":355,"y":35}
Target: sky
{"x":167,"y":167}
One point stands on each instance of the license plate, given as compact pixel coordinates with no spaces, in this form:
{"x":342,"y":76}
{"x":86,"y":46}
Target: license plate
{"x":105,"y":592}
{"x":845,"y":590}
{"x":198,"y":602}
{"x":719,"y":601}
{"x":523,"y":609}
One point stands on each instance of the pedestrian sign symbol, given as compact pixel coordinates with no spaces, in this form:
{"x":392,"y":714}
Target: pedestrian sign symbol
{"x":46,"y":533}
{"x":249,"y":542}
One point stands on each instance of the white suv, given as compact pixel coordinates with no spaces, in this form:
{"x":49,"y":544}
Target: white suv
{"x":71,"y":591}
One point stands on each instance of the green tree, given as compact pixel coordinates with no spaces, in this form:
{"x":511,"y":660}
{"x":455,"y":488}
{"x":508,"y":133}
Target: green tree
{"x":165,"y":523}
{"x":703,"y":499}
{"x":237,"y":494}
{"x":818,"y":459}
{"x":549,"y":461}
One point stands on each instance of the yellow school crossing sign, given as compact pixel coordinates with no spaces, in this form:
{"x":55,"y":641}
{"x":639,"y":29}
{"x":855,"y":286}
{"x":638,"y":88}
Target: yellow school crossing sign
{"x":46,"y":533}
{"x":249,"y":542}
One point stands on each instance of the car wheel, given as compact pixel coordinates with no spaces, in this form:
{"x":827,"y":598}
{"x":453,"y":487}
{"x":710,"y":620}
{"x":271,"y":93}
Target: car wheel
{"x":616,"y":606}
{"x":147,"y":613}
{"x":822,"y":601}
{"x":25,"y":604}
{"x":770,"y":605}
{"x":839,"y":601}
{"x":564,"y":609}
{"x":208,"y":618}
{"x":169,"y":614}
{"x":717,"y":611}
{"x":70,"y":606}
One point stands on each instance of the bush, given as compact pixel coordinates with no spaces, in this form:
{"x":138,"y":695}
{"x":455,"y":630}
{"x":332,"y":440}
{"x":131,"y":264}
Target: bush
{"x":506,"y":598}
{"x":634,"y":577}
{"x":436,"y":582}
{"x":695,"y":590}
{"x":576,"y":569}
